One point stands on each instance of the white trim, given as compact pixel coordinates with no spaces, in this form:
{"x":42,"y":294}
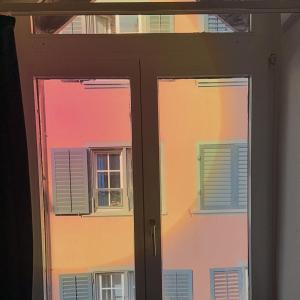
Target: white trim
{"x":98,"y":211}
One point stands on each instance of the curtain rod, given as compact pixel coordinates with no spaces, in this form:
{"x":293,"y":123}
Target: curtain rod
{"x":152,"y":8}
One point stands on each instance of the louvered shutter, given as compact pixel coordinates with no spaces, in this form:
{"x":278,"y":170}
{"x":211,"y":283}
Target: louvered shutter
{"x":227,"y":284}
{"x":166,"y":23}
{"x":61,"y":181}
{"x":79,"y":181}
{"x":75,"y":287}
{"x":177,"y":284}
{"x":242,"y":175}
{"x":216,"y":24}
{"x":129,"y":178}
{"x":70,"y":181}
{"x":223,"y":176}
{"x":159,"y":24}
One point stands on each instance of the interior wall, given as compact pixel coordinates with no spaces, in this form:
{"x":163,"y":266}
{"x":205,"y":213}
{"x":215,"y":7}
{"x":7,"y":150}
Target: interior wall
{"x":289,"y":168}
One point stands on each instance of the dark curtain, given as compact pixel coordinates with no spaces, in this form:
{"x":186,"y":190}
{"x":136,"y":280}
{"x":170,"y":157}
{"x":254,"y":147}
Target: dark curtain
{"x":16,"y":222}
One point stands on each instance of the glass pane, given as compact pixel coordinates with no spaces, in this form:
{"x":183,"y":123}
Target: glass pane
{"x":116,"y":24}
{"x":102,"y":180}
{"x":128,"y":24}
{"x":103,"y":198}
{"x":88,"y":225}
{"x":102,"y":161}
{"x":115,"y":198}
{"x":114,"y":161}
{"x":116,"y":281}
{"x":203,"y":133}
{"x":115,"y":179}
{"x":106,"y":295}
{"x":106,"y":281}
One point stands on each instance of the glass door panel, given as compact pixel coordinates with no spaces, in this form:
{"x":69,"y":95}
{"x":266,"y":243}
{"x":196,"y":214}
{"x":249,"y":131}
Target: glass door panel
{"x":203,"y":149}
{"x":87,"y":146}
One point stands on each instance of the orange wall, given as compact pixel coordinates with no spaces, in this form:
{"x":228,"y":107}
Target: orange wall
{"x":76,"y":117}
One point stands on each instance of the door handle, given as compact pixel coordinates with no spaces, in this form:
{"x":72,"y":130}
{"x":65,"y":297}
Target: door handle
{"x":153,"y":236}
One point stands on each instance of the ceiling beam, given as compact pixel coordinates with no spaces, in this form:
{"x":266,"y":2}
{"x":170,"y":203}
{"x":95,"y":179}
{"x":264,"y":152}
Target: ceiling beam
{"x":133,"y":8}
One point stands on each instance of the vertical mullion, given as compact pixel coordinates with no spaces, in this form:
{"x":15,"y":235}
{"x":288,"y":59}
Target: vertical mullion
{"x":234,"y":175}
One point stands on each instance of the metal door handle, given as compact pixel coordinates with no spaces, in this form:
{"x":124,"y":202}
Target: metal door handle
{"x":153,"y":236}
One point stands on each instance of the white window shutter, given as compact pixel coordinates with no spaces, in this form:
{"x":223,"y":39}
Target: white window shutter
{"x":70,"y":181}
{"x":216,"y":176}
{"x":242,"y":175}
{"x":216,"y":24}
{"x":223,"y":176}
{"x":75,"y":286}
{"x":177,"y":284}
{"x":61,"y":181}
{"x":160,"y":24}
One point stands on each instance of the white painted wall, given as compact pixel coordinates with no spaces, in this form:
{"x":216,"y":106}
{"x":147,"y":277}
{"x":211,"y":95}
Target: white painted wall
{"x":289,"y":169}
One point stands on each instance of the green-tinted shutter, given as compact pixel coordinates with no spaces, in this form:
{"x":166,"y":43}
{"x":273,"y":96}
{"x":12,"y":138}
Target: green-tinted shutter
{"x":129,"y":178}
{"x":226,"y":284}
{"x":177,"y":284}
{"x":160,"y":24}
{"x":75,"y":286}
{"x":70,"y":181}
{"x":223,"y":176}
{"x":242,"y":175}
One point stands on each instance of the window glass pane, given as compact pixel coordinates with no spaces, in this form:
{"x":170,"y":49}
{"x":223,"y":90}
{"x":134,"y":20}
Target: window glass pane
{"x":114,"y":180}
{"x":116,"y":24}
{"x":102,"y":180}
{"x":129,"y":24}
{"x":106,"y":281}
{"x":89,"y":223}
{"x":103,"y":198}
{"x":106,"y":295}
{"x":115,"y":198}
{"x":102,"y":162}
{"x":203,"y":133}
{"x":114,"y":161}
{"x":116,"y":281}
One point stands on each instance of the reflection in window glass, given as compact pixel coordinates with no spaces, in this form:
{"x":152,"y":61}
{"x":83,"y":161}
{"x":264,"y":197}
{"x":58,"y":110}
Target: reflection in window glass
{"x":225,"y":23}
{"x":128,"y":24}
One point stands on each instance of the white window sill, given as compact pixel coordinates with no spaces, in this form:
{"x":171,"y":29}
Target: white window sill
{"x":218,"y":211}
{"x":110,"y":213}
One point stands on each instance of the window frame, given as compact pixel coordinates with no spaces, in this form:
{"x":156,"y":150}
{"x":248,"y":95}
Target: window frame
{"x":127,"y":207}
{"x":151,"y":52}
{"x":124,"y":273}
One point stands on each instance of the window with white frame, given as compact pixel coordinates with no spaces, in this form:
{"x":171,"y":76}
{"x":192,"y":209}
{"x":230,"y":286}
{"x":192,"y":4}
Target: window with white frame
{"x":109,"y":186}
{"x":111,"y":286}
{"x":112,"y":178}
{"x":104,"y":185}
